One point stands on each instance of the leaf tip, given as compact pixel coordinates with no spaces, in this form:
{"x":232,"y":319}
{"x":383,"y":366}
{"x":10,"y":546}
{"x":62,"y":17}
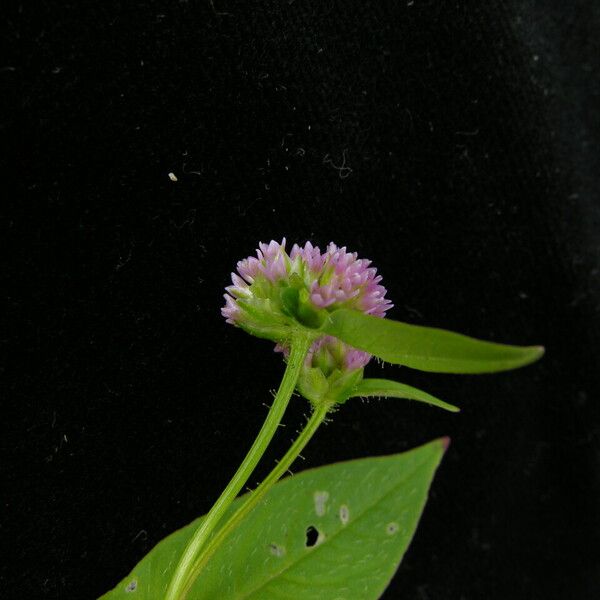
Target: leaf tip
{"x":445,"y":441}
{"x":532,"y":354}
{"x":539,"y":351}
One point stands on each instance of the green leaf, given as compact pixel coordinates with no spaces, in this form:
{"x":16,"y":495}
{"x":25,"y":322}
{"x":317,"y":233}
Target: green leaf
{"x":426,"y":348}
{"x":334,"y":532}
{"x":394,"y":389}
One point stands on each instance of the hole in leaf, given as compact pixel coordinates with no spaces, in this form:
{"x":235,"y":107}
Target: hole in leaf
{"x":131,"y":586}
{"x":312,"y":535}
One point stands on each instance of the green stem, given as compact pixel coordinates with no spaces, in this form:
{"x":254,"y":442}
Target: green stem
{"x":316,"y":418}
{"x":300,"y":344}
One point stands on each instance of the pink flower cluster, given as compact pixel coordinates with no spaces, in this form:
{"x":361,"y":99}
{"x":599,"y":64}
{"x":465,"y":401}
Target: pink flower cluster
{"x":352,"y":358}
{"x":272,"y":264}
{"x":342,"y":277}
{"x":333,"y":279}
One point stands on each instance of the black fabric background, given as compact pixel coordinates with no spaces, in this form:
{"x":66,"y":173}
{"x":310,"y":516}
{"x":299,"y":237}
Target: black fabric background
{"x":453,"y":143}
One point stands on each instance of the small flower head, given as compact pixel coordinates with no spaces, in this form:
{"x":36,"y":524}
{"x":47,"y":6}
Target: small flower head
{"x":329,"y":353}
{"x":275,"y":292}
{"x":342,"y":279}
{"x":332,"y":369}
{"x":307,"y":280}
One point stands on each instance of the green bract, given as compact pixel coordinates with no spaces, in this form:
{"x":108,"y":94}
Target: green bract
{"x":384,"y":388}
{"x":334,"y":389}
{"x":426,"y":348}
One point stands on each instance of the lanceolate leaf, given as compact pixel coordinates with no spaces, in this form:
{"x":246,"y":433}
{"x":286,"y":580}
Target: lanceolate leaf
{"x":426,"y":348}
{"x":393,"y":389}
{"x":332,"y":533}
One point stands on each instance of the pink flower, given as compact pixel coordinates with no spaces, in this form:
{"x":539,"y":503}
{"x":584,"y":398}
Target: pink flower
{"x":342,"y":278}
{"x":336,"y":355}
{"x":318,"y":283}
{"x":333,"y":279}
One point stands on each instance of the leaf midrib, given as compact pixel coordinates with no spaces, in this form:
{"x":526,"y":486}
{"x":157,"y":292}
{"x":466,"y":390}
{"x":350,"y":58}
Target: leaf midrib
{"x":311,"y":552}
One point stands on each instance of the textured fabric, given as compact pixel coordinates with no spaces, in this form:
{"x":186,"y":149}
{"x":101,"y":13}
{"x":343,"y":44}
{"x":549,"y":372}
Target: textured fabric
{"x":154,"y":143}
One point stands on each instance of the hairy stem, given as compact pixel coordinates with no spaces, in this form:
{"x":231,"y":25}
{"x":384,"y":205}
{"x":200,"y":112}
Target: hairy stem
{"x":317,"y":417}
{"x":300,"y":344}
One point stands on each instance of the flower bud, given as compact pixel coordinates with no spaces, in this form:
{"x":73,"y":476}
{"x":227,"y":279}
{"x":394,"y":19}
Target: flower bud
{"x":331,"y":371}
